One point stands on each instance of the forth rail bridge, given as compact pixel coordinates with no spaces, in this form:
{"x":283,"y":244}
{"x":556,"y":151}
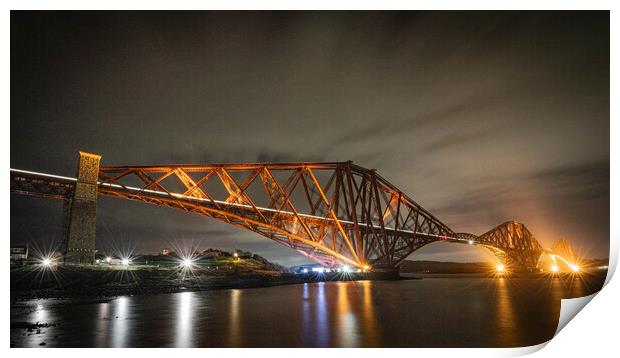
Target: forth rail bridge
{"x":334,"y":213}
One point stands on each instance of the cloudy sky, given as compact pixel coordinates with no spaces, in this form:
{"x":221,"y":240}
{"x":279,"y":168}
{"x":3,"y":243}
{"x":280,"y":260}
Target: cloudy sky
{"x":480,"y":117}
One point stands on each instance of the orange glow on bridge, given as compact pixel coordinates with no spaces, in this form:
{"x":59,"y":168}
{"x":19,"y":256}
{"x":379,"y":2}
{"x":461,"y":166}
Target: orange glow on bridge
{"x":334,"y":213}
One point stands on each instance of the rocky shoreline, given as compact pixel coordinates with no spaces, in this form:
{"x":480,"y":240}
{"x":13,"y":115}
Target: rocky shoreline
{"x":101,"y":284}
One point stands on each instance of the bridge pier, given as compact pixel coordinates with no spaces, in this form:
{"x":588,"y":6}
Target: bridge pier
{"x":81,"y":212}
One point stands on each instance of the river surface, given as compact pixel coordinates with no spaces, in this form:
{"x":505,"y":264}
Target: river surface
{"x":434,"y":312}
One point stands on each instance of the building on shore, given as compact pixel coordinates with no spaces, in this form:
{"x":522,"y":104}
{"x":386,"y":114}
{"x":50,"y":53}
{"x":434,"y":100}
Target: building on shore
{"x":19,"y":254}
{"x":243,"y":254}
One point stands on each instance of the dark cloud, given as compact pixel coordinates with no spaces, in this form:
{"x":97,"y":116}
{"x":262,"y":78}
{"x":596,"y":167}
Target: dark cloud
{"x":455,"y":141}
{"x":481,"y":117}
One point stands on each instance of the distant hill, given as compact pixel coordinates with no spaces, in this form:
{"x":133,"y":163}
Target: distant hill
{"x":409,"y":266}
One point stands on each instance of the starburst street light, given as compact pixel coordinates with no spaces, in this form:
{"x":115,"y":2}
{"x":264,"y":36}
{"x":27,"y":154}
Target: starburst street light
{"x":48,"y":261}
{"x":554,"y":268}
{"x":187,"y":263}
{"x":575,"y":268}
{"x":500,"y":268}
{"x":125,"y":262}
{"x":187,"y":260}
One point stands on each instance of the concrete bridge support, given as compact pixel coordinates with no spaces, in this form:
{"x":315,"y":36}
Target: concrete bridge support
{"x":81,"y":212}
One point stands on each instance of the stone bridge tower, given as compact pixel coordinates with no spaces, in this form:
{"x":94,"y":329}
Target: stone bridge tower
{"x":81,"y":212}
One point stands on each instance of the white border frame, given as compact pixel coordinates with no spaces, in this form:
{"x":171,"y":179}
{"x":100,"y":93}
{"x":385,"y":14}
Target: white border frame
{"x":593,"y":330}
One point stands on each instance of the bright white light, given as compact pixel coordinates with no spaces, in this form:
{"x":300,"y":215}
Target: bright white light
{"x":575,"y":268}
{"x":554,"y":268}
{"x":304,"y":270}
{"x":187,"y":263}
{"x":46,"y":262}
{"x":125,"y":262}
{"x":500,"y":268}
{"x":318,"y":269}
{"x":346,"y":268}
{"x":236,"y":254}
{"x":471,"y":242}
{"x":108,"y":259}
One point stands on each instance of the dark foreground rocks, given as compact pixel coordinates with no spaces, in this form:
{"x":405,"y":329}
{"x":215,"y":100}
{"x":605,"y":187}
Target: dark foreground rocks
{"x":28,"y":283}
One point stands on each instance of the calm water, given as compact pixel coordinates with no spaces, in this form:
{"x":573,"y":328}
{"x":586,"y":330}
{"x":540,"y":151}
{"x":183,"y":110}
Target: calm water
{"x":438,"y":311}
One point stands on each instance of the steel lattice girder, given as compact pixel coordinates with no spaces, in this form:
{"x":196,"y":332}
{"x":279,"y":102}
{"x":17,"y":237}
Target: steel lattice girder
{"x":511,"y":242}
{"x":334,"y":213}
{"x":28,"y":184}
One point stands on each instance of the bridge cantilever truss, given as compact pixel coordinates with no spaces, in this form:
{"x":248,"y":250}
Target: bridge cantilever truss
{"x":511,"y":242}
{"x":334,"y":213}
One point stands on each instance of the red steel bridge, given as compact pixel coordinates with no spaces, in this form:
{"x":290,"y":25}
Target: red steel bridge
{"x":334,"y":213}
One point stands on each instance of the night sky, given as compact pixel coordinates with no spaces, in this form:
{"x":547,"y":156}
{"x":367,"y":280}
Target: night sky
{"x":481,"y":117}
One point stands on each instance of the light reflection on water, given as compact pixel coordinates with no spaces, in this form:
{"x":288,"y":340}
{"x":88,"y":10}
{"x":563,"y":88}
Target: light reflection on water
{"x":120,"y":322}
{"x":506,"y":320}
{"x":368,"y":315}
{"x":347,"y":322}
{"x":429,"y":312}
{"x":306,"y":313}
{"x":185,"y":319}
{"x":233,"y":334}
{"x":322,"y":328}
{"x":41,"y":314}
{"x":103,"y":320}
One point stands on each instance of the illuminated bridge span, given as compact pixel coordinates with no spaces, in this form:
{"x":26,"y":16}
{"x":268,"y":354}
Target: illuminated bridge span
{"x":334,"y":213}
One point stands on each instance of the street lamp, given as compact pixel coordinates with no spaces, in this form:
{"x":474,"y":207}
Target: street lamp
{"x":186,"y":263}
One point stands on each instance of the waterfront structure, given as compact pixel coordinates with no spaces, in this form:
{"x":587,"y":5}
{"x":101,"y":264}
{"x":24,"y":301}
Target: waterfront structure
{"x":19,"y":254}
{"x":81,"y":212}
